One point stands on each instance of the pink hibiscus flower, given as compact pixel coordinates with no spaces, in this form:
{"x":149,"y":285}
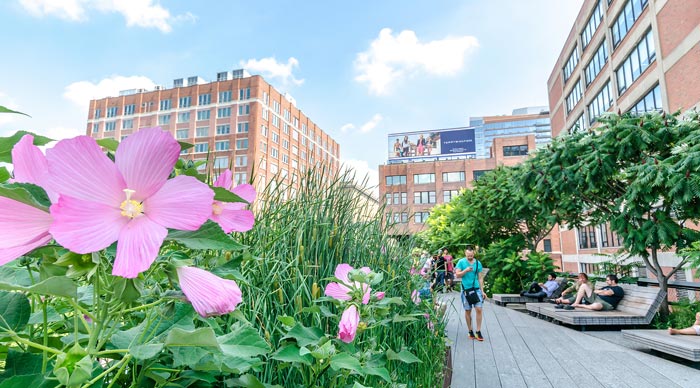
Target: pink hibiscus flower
{"x":232,"y":216}
{"x":30,"y":165}
{"x":208,"y":293}
{"x":131,"y":201}
{"x":23,"y":228}
{"x":347,"y":328}
{"x":344,"y":289}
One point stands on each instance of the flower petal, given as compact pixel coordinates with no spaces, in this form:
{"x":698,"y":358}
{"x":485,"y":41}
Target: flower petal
{"x":337,"y":291}
{"x":9,"y":254}
{"x":208,"y":293}
{"x":84,"y":226}
{"x":367,"y":289}
{"x":342,"y":271}
{"x":137,"y":249}
{"x":182,"y":203}
{"x":246,"y":192}
{"x":225,"y":180}
{"x":30,"y":165}
{"x":233,"y":218}
{"x":347,"y":327}
{"x":146,"y":159}
{"x":78,"y":168}
{"x":20,"y":223}
{"x":366,"y":270}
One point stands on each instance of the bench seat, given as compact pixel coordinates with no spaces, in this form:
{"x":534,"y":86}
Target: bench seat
{"x":683,"y":346}
{"x":504,"y":299}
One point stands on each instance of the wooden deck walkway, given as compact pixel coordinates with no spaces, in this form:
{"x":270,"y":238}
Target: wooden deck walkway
{"x":523,"y":351}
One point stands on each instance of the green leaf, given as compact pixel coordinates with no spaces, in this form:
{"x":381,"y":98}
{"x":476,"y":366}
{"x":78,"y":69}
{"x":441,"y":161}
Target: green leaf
{"x":290,"y":353}
{"x":185,"y":146}
{"x":109,"y":144}
{"x":22,"y":363}
{"x":145,"y":352}
{"x":186,"y":356}
{"x":209,"y":236}
{"x":248,"y":381}
{"x":223,"y":195}
{"x":243,"y":341}
{"x":403,"y":318}
{"x":51,"y":316}
{"x":26,"y":193}
{"x":325,"y":351}
{"x":4,"y":174}
{"x":203,"y":336}
{"x":6,"y":110}
{"x":7,"y":143}
{"x":346,"y":361}
{"x":403,"y":356}
{"x":305,"y":335}
{"x":378,"y":371}
{"x":14,"y":311}
{"x":56,"y":286}
{"x":286,"y":320}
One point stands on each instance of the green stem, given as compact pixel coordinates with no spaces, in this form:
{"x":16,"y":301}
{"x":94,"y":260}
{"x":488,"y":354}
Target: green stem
{"x":111,"y":351}
{"x":120,"y":364}
{"x":45,"y":356}
{"x":96,"y":304}
{"x":142,"y":307}
{"x":35,"y":345}
{"x":119,"y":372}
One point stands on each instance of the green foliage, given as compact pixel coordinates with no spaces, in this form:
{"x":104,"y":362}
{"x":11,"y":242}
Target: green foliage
{"x":7,"y":143}
{"x":511,"y":272}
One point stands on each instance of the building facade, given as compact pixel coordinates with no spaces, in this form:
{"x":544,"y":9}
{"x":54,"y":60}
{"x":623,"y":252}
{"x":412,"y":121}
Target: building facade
{"x":411,"y":185}
{"x":626,"y":55}
{"x":485,"y":132}
{"x":623,"y":56}
{"x":238,"y":121}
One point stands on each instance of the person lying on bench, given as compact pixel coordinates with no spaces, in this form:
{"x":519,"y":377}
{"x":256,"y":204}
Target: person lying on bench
{"x":692,"y":330}
{"x":604,"y":299}
{"x":542,"y":290}
{"x":564,"y":299}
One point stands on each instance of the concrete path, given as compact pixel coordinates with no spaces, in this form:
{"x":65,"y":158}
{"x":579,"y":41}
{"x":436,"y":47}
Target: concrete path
{"x":523,"y":351}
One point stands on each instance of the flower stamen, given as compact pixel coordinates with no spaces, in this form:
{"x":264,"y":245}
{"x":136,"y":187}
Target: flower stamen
{"x":131,"y":208}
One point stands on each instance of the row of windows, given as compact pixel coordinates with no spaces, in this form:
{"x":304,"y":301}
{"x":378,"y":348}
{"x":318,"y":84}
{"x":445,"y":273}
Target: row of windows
{"x":587,"y":237}
{"x":634,"y":65}
{"x":650,"y":102}
{"x":448,"y":177}
{"x":402,"y":218}
{"x":602,"y":102}
{"x":515,"y":150}
{"x":626,"y":19}
{"x":571,"y":64}
{"x":592,"y":24}
{"x":574,"y":96}
{"x":600,"y":58}
{"x":419,"y":197}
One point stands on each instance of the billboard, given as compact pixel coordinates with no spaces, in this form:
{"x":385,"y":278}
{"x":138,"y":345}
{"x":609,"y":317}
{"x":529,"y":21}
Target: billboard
{"x":431,"y":143}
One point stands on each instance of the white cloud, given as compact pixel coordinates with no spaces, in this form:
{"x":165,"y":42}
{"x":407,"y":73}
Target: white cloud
{"x":58,"y":133}
{"x":371,"y":124}
{"x":140,"y":13}
{"x":364,"y":174}
{"x":83,"y":91}
{"x":391,"y":58}
{"x":347,"y":127}
{"x":269,"y":67}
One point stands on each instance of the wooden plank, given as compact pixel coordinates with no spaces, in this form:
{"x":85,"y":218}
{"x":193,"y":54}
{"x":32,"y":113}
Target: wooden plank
{"x":506,"y":357}
{"x":684,"y":346}
{"x":485,"y":366}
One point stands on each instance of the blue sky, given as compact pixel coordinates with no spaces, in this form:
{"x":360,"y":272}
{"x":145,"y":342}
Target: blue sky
{"x":359,"y":69}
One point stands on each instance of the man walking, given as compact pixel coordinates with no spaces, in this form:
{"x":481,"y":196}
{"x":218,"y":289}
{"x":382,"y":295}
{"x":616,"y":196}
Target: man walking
{"x":470,"y":270}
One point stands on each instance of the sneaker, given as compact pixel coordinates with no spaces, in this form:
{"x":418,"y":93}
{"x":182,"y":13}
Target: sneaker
{"x":559,"y":306}
{"x":479,"y":337}
{"x":471,"y":335}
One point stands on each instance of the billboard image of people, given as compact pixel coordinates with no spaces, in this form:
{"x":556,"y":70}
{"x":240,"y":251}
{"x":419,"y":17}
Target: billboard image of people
{"x":431,"y":143}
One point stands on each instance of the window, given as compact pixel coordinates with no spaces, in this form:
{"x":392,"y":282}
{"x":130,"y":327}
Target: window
{"x":129,"y":109}
{"x":244,"y":94}
{"x":95,"y":127}
{"x":128,"y":124}
{"x":183,"y":117}
{"x":295,"y":134}
{"x":295,"y":164}
{"x":275,"y":138}
{"x":448,"y":195}
{"x":276,"y":107}
{"x":571,"y":64}
{"x":287,"y":115}
{"x":263,"y":164}
{"x":586,"y":237}
{"x":295,"y":150}
{"x":241,"y":161}
{"x":204,"y":99}
{"x":592,"y":24}
{"x":240,"y":178}
{"x":221,"y":162}
{"x":223,"y":129}
{"x":223,"y":112}
{"x":98,"y":112}
{"x":650,"y":102}
{"x":202,"y":132}
{"x":516,"y":150}
{"x":547,"y":245}
{"x":400,"y":198}
{"x":421,"y":217}
{"x":275,"y":121}
{"x":201,"y":147}
{"x":243,"y":109}
{"x":182,"y":134}
{"x":265,"y":114}
{"x":477,"y":174}
{"x":242,"y":128}
{"x":225,"y":96}
{"x":203,"y":115}
{"x":285,"y":144}
{"x":242,"y":144}
{"x":590,"y":268}
{"x":636,"y":63}
{"x":112,"y":112}
{"x":222,"y":145}
{"x":274,"y":153}
{"x":574,"y":96}
{"x":164,"y":120}
{"x":266,"y":98}
{"x":165,"y":104}
{"x":263,"y":130}
{"x":424,"y":197}
{"x":457,"y":176}
{"x":423,"y":178}
{"x":285,"y":158}
{"x":185,"y":102}
{"x":626,"y":19}
{"x":601,"y":103}
{"x":285,"y":128}
{"x":609,"y":238}
{"x":597,"y":62}
{"x":273,"y":168}
{"x":393,"y":180}
{"x":110,"y":126}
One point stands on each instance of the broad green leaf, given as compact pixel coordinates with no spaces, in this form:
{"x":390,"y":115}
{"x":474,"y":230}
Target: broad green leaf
{"x":26,"y":193}
{"x":358,"y":385}
{"x":7,"y":110}
{"x":51,"y":316}
{"x":324,"y":351}
{"x":12,"y":274}
{"x":22,"y":363}
{"x":7,"y":143}
{"x":109,"y":144}
{"x":346,"y":361}
{"x":223,"y":195}
{"x":378,"y":371}
{"x":246,"y":381}
{"x":286,"y":320}
{"x":403,"y":356}
{"x":14,"y":311}
{"x":403,"y":318}
{"x":4,"y":174}
{"x":305,"y":335}
{"x":209,"y":236}
{"x":203,"y":336}
{"x":290,"y":353}
{"x":188,"y":355}
{"x":145,"y":352}
{"x":185,"y":146}
{"x":57,"y":286}
{"x":34,"y":380}
{"x":243,"y":341}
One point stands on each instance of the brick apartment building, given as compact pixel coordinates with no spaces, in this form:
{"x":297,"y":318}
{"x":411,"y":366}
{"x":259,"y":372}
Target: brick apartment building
{"x":238,"y":121}
{"x":622,"y":56}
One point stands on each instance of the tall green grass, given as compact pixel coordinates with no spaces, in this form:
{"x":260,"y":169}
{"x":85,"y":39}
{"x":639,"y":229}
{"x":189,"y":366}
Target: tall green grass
{"x":298,"y":240}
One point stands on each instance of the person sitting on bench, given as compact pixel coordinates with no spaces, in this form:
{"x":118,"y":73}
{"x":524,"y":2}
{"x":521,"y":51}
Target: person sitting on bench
{"x":542,"y":290}
{"x":564,"y":299}
{"x":692,"y":330}
{"x":604,"y":299}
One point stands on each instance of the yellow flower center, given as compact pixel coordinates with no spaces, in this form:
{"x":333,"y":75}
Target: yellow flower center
{"x":217,"y":208}
{"x":131,"y":208}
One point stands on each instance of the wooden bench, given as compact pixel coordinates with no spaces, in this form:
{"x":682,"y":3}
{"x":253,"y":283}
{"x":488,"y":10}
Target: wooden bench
{"x":504,"y":299}
{"x":638,"y":307}
{"x":684,"y":346}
